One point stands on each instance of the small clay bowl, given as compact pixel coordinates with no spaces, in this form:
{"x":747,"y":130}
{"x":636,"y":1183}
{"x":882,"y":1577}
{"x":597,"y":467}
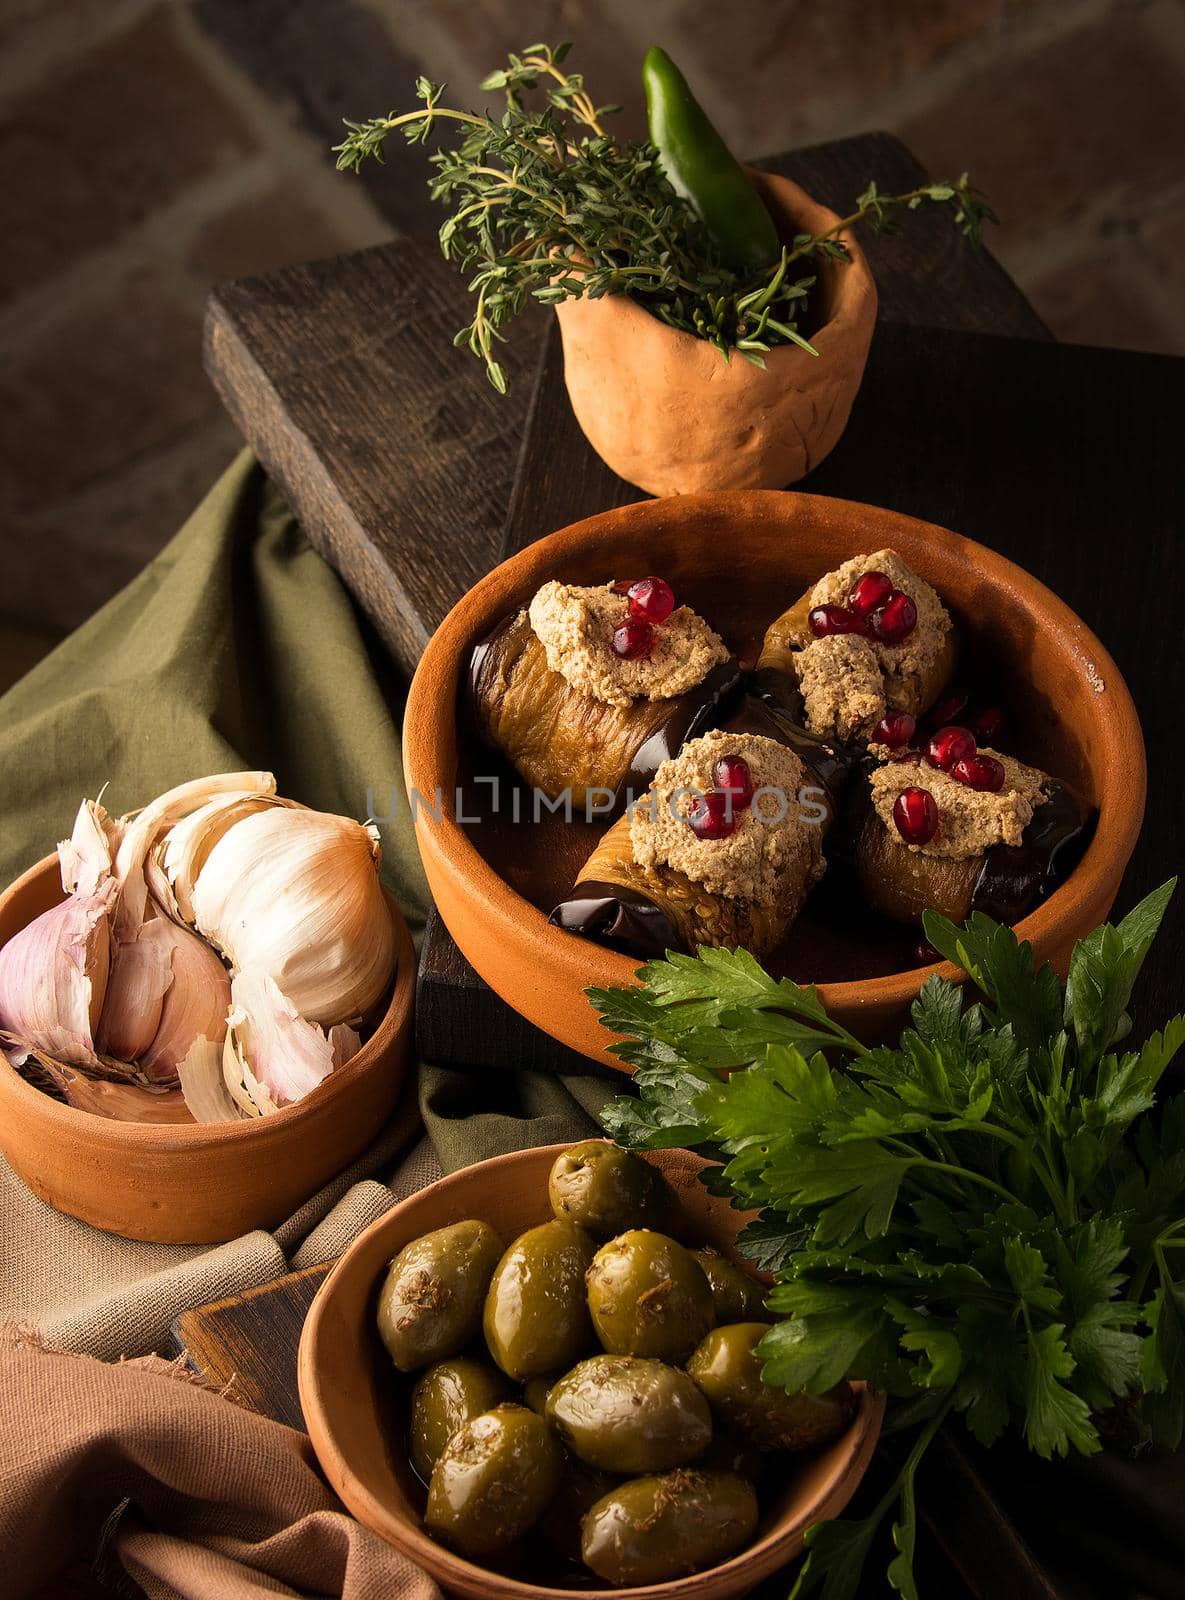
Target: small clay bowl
{"x":354,"y":1403}
{"x":740,"y":558}
{"x":664,"y":409}
{"x":198,"y":1183}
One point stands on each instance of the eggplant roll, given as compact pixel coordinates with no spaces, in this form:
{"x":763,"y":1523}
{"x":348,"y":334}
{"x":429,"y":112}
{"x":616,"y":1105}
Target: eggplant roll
{"x":558,"y":738}
{"x":647,"y":910}
{"x":913,"y":671}
{"x":1005,"y":881}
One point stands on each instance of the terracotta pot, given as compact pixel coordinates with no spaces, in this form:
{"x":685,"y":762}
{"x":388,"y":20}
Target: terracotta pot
{"x":356,"y":1420}
{"x":739,"y":558}
{"x":198,"y":1183}
{"x":668,"y":413}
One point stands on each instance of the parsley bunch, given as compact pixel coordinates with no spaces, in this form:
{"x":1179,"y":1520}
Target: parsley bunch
{"x":545,"y":205}
{"x":986,"y":1219}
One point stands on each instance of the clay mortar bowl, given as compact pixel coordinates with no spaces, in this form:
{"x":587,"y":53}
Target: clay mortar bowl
{"x":354,"y":1403}
{"x":668,"y":413}
{"x":740,"y":558}
{"x":198,"y":1183}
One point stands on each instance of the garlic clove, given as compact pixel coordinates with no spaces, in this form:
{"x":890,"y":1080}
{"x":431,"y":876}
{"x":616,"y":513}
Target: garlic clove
{"x":296,"y":894}
{"x":53,"y":978}
{"x":272,"y":1056}
{"x":203,"y":1085}
{"x":195,"y":1004}
{"x":141,"y":973}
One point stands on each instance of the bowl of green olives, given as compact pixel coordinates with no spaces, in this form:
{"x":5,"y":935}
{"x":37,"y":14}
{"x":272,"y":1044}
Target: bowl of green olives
{"x":538,"y":1376}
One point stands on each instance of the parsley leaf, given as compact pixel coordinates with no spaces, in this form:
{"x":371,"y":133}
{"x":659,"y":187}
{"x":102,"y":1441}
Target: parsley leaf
{"x":987,"y":1215}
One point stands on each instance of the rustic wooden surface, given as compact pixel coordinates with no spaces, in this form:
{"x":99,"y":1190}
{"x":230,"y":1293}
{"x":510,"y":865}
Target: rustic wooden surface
{"x":392,"y":447}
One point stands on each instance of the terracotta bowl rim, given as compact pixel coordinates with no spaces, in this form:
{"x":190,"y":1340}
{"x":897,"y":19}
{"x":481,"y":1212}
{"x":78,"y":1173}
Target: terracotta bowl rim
{"x":851,"y":283}
{"x":432,"y":702}
{"x":443,"y":1563}
{"x":180,"y":1138}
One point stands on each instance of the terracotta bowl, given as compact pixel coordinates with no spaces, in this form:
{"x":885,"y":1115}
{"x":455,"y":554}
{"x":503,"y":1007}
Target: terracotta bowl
{"x":667,"y":412}
{"x":354,"y":1404}
{"x":740,"y":558}
{"x":199,"y":1183}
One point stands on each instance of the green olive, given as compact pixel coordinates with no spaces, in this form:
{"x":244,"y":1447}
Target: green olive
{"x":736,"y":1297}
{"x":648,"y":1297}
{"x":654,"y":1529}
{"x":430,"y":1302}
{"x":728,"y":1371}
{"x":607,"y":1190}
{"x":581,"y":1486}
{"x":444,"y":1398}
{"x":626,"y":1414}
{"x":536,"y":1314}
{"x":493,"y":1480}
{"x":536,"y":1391}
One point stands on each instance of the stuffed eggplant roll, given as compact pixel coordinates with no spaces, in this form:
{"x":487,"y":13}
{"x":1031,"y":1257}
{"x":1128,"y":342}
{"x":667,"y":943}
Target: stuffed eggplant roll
{"x":593,"y":688}
{"x":723,"y":850}
{"x":989,"y":834}
{"x":867,"y":640}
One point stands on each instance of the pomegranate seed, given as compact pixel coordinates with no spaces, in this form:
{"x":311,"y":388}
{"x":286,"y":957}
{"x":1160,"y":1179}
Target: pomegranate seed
{"x":949,"y":745}
{"x":924,"y":953}
{"x":988,"y":725}
{"x":711,"y":816}
{"x":979,"y":772}
{"x":651,"y":599}
{"x":632,"y":639}
{"x":949,"y":709}
{"x":824,"y":620}
{"x":915,"y":812}
{"x":731,"y":774}
{"x":868,"y":592}
{"x":895,"y":619}
{"x":895,"y":729}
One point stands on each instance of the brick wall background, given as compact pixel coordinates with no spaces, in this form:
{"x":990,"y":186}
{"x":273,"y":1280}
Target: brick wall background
{"x":151,"y":147}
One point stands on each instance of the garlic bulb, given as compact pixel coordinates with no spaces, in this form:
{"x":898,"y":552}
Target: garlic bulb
{"x":121,"y":992}
{"x":292,"y":894}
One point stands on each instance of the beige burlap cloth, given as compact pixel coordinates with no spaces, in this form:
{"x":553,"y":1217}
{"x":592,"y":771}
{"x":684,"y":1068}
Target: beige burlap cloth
{"x":180,"y":1491}
{"x":89,"y":1291}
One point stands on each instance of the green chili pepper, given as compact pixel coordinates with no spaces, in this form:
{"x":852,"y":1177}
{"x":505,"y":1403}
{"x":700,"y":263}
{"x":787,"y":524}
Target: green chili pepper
{"x":704,"y":170}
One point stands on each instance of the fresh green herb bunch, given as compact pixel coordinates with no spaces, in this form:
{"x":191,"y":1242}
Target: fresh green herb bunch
{"x":545,"y":205}
{"x":988,"y":1218}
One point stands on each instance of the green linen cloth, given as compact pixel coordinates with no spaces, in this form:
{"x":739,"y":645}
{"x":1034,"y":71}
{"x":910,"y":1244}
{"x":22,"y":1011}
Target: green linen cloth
{"x":236,"y":648}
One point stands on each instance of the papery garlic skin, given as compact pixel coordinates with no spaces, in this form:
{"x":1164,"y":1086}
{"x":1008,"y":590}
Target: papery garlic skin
{"x":53,"y":979}
{"x":272,"y":1056}
{"x":296,"y":894}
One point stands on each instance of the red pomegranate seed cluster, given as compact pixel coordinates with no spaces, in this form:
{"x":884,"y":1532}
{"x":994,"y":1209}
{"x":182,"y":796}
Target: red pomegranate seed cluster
{"x":954,"y":750}
{"x":717,"y":814}
{"x":951,"y":750}
{"x":651,"y":603}
{"x":874,"y":609}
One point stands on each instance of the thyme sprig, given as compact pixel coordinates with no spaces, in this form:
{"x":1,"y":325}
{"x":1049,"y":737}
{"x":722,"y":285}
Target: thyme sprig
{"x":546,"y":206}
